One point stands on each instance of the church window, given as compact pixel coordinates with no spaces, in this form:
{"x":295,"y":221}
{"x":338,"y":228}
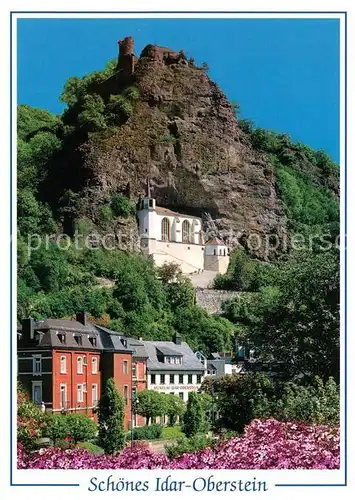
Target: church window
{"x":224,"y":252}
{"x":165,"y":229}
{"x":214,"y":252}
{"x":186,"y":232}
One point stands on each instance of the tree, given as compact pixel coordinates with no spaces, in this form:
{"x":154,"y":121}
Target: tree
{"x":111,"y":419}
{"x":80,"y":427}
{"x":30,"y":420}
{"x":174,"y":407}
{"x":150,"y":404}
{"x":194,"y":418}
{"x":240,"y":398}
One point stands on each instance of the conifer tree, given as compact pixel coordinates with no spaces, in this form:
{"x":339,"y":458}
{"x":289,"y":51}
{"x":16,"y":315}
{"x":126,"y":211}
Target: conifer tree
{"x":194,"y":418}
{"x":111,"y":419}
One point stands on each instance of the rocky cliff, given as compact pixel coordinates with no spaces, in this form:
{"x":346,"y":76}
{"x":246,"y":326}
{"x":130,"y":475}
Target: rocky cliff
{"x":184,"y":136}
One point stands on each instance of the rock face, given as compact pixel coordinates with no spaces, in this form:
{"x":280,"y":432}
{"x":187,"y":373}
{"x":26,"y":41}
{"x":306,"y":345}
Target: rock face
{"x":183,"y":135}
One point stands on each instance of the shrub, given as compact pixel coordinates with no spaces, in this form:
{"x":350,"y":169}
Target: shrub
{"x":91,"y":448}
{"x":80,"y":427}
{"x":188,"y":445}
{"x":30,"y":421}
{"x":265,"y":445}
{"x":149,"y":432}
{"x":121,"y":206}
{"x":57,"y":428}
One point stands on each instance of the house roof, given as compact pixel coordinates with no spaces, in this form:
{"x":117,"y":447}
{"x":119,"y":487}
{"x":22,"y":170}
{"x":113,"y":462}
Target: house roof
{"x":189,"y":360}
{"x":167,"y":211}
{"x":166,"y":351}
{"x":215,"y":241}
{"x":47,"y":335}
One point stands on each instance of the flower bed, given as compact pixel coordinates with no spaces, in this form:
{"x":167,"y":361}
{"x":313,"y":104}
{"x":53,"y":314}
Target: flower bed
{"x":266,"y":444}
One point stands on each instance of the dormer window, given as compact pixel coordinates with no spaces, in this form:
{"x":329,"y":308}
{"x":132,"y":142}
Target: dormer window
{"x":93,"y":341}
{"x":61,"y":338}
{"x":78,"y":339}
{"x":173,"y":360}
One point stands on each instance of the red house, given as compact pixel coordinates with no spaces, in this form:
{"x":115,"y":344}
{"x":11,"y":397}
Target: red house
{"x":139,"y":374}
{"x":64,"y":364}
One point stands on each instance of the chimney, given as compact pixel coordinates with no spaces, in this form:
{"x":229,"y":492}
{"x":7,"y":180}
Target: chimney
{"x":28,"y":329}
{"x":81,"y":317}
{"x":177,"y":339}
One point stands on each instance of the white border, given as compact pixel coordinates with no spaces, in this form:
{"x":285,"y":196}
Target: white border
{"x":311,"y":477}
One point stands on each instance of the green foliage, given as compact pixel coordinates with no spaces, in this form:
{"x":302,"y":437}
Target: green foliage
{"x":121,"y":206}
{"x":318,"y":403}
{"x":150,"y":404}
{"x":57,"y":427}
{"x":172,"y":432}
{"x":111,"y":419}
{"x":91,"y":117}
{"x":240,"y":398}
{"x":194,"y":421}
{"x":30,"y":420}
{"x":147,"y":433}
{"x":80,"y":427}
{"x":174,"y":407}
{"x":242,"y":273}
{"x":184,"y":445}
{"x":91,"y":448}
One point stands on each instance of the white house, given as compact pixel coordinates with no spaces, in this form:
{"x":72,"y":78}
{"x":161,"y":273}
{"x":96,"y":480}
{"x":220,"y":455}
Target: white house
{"x":173,"y":368}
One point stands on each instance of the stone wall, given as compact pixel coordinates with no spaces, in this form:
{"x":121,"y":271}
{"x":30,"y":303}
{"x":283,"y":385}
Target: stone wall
{"x":211,"y":300}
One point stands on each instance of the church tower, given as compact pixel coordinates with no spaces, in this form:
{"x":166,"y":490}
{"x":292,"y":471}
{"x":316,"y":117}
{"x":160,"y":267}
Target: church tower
{"x":216,"y":256}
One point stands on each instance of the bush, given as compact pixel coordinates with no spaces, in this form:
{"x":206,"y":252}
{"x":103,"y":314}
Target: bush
{"x":30,"y":421}
{"x":80,"y":427}
{"x":91,"y":448}
{"x":57,"y":428}
{"x":147,"y":433}
{"x":188,"y":445}
{"x":121,"y":206}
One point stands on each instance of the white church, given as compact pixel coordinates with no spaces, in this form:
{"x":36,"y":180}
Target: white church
{"x":168,"y":236}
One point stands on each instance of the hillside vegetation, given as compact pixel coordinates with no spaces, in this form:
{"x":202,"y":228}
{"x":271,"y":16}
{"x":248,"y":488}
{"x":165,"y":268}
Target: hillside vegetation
{"x":84,"y":171}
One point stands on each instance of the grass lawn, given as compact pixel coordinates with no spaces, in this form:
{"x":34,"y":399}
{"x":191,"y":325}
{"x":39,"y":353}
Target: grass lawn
{"x":171,"y":433}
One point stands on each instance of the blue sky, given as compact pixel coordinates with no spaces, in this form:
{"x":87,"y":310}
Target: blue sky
{"x":284,"y":73}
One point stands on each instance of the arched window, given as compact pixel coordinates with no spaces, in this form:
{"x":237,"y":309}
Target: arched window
{"x":165,"y":229}
{"x":214,"y":251}
{"x":224,"y":252}
{"x":63,"y":364}
{"x":186,"y":232}
{"x":80,"y":365}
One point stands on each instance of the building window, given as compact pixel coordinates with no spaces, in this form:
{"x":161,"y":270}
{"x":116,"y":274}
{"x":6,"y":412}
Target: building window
{"x":93,"y":341}
{"x":181,"y":396}
{"x":80,"y":393}
{"x":224,"y":252}
{"x":78,"y":339}
{"x":61,"y":338}
{"x":181,"y":379}
{"x":189,"y":379}
{"x":63,"y":364}
{"x":198,"y":381}
{"x":37,"y":392}
{"x":152,"y":379}
{"x":94,"y":399}
{"x":162,"y":379}
{"x":79,"y":363}
{"x":134,"y":370}
{"x":125,"y":394}
{"x":125,"y":367}
{"x":37,"y":364}
{"x":165,"y":229}
{"x":172,"y":379}
{"x":214,"y":252}
{"x":94,"y":365}
{"x":63,"y":396}
{"x":220,"y":251}
{"x":186,"y":232}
